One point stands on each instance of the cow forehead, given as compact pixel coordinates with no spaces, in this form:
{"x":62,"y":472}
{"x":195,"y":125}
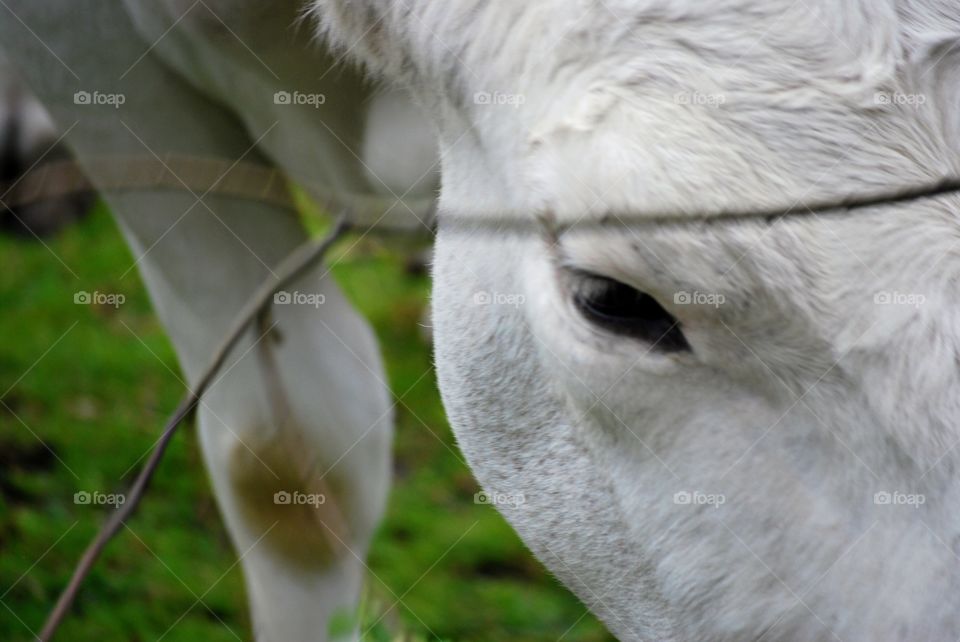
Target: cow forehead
{"x":581,"y":108}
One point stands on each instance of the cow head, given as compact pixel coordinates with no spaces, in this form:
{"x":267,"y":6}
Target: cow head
{"x":722,"y":430}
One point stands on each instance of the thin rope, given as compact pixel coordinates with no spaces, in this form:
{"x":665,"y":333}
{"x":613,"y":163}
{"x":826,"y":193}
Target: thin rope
{"x":259,"y":182}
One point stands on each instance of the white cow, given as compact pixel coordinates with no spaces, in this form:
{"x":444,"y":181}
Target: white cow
{"x":722,"y":431}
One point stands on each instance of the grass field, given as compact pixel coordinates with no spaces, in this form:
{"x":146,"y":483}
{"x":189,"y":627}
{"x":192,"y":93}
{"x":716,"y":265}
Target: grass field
{"x":84,"y":391}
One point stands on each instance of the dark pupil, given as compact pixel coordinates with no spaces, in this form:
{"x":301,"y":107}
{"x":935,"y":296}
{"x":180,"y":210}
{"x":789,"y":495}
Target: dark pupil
{"x":624,"y":310}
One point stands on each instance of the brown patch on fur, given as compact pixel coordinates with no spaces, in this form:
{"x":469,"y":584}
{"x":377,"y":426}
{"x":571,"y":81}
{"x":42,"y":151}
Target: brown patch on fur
{"x":279,"y":492}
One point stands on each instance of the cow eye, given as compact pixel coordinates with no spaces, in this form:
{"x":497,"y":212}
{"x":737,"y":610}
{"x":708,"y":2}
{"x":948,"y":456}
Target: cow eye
{"x":620,"y":309}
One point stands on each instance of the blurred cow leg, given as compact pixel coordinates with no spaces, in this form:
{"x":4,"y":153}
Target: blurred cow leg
{"x":296,"y":431}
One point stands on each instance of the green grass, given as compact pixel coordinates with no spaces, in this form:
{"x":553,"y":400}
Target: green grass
{"x":86,"y":400}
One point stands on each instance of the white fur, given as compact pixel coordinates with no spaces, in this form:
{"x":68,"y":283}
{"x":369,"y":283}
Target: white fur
{"x":801,"y":398}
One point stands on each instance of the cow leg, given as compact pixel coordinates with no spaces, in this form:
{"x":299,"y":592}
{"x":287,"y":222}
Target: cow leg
{"x":296,"y":432}
{"x":300,"y":414}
